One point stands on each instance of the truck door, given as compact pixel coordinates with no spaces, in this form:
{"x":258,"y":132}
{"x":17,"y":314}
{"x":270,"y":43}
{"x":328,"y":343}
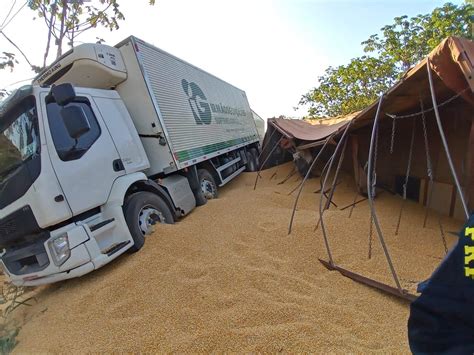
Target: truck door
{"x":87,"y":167}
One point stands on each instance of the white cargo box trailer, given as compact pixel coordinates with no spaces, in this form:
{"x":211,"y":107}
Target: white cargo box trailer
{"x":201,"y":115}
{"x":195,"y":115}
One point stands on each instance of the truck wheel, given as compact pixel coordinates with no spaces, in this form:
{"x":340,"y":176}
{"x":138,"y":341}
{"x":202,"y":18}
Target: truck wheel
{"x":255,"y":154}
{"x":208,"y":185}
{"x":251,"y":166}
{"x":200,"y":198}
{"x":142,"y":211}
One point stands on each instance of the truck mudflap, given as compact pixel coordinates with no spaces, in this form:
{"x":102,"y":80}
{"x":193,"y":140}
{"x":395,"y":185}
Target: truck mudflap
{"x":180,"y":192}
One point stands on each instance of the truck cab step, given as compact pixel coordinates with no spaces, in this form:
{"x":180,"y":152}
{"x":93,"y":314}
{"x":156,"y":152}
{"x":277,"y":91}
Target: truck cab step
{"x":115,"y":248}
{"x":101,"y":224}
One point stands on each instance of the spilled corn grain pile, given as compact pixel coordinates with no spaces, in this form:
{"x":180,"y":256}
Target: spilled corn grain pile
{"x":229,"y":278}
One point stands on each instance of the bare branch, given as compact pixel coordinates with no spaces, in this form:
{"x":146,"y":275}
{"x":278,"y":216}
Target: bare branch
{"x":83,"y":30}
{"x":11,"y":18}
{"x":18,"y":48}
{"x":9,"y":12}
{"x":61,"y":31}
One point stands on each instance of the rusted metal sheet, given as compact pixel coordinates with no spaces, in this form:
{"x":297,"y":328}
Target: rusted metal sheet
{"x":370,"y":282}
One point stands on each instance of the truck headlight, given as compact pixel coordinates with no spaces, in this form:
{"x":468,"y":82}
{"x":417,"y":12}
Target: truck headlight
{"x":59,"y":248}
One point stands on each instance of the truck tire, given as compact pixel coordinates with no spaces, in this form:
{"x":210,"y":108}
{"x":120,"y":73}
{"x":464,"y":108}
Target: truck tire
{"x":229,"y":170}
{"x":142,"y":210}
{"x":208,"y":184}
{"x":251,"y":166}
{"x":200,"y":198}
{"x":255,"y":154}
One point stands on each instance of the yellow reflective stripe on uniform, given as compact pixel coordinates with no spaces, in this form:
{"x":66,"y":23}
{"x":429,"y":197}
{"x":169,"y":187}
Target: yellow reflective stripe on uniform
{"x":469,"y":232}
{"x":469,"y":272}
{"x":469,"y":254}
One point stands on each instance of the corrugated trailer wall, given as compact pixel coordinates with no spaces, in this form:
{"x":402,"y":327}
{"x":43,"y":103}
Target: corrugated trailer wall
{"x":202,"y":116}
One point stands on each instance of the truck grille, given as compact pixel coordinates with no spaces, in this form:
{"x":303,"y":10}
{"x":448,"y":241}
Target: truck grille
{"x":19,"y":226}
{"x":8,"y":227}
{"x":27,"y":258}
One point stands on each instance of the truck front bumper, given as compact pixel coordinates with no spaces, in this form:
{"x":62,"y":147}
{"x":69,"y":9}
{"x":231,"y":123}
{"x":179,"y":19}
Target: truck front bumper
{"x":43,"y":262}
{"x":76,"y":272}
{"x":68,"y":251}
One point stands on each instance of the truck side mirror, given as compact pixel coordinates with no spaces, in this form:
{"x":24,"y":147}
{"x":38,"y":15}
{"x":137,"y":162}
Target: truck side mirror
{"x":75,"y":120}
{"x":63,"y":93}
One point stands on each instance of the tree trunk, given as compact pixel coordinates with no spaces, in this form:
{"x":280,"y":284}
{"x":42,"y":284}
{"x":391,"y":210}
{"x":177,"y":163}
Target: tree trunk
{"x":62,"y":31}
{"x":48,"y":42}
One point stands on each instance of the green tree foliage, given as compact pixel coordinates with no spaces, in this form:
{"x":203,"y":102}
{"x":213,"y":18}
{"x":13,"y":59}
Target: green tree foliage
{"x":340,"y":88}
{"x":407,"y":41}
{"x":68,"y":19}
{"x":7,"y":60}
{"x":65,"y":20}
{"x":348,"y":88}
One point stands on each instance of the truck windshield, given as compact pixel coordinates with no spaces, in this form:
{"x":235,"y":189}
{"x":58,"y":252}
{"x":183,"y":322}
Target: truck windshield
{"x":19,"y":140}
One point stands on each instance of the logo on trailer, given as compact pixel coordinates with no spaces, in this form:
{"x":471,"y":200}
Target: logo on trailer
{"x":198,"y":102}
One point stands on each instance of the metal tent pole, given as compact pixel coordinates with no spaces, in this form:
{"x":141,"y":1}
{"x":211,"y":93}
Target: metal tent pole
{"x":322,"y":172}
{"x":321,"y":211}
{"x":290,"y":174}
{"x":265,"y":161}
{"x":304,"y":180}
{"x":267,"y":143}
{"x":407,"y":176}
{"x":331,"y":190}
{"x":336,"y":175}
{"x":443,"y":139}
{"x":371,"y":197}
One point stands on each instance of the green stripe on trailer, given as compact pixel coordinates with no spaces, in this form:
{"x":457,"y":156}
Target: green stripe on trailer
{"x":189,"y":154}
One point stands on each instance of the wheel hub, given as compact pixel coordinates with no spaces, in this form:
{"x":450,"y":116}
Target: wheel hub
{"x":207,"y":189}
{"x":147,"y":218}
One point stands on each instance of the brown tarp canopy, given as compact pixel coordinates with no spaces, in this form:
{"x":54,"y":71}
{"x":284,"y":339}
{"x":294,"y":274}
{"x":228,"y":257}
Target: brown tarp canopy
{"x":304,"y":134}
{"x":452,"y":61}
{"x":302,"y":130}
{"x":297,"y":136}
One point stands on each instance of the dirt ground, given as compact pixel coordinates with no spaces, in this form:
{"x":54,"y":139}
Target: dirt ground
{"x":228,"y":277}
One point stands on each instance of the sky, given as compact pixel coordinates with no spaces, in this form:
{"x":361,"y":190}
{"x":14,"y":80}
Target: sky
{"x":273,"y":49}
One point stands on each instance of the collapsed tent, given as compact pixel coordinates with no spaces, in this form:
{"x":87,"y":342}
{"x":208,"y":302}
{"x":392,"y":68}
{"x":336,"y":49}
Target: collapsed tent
{"x":298,"y":140}
{"x":452,"y":63}
{"x":416,"y":141}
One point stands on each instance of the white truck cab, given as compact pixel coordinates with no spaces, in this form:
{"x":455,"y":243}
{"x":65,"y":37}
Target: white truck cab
{"x":93,"y":155}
